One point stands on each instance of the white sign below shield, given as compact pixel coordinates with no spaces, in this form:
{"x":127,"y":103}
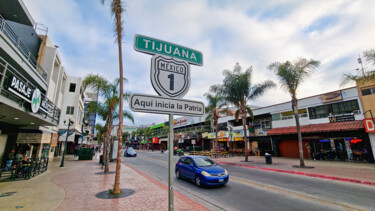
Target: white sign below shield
{"x":170,"y":77}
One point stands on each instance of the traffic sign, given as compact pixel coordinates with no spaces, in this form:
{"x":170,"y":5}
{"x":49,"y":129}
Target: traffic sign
{"x":154,"y":46}
{"x":161,"y":105}
{"x":170,"y":77}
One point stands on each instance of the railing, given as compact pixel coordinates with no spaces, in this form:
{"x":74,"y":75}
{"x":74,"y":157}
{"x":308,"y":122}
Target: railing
{"x":53,"y":113}
{"x":7,"y":30}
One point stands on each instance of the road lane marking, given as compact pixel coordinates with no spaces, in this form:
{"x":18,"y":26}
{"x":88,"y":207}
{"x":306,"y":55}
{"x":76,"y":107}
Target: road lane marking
{"x":295,"y":194}
{"x":281,"y":190}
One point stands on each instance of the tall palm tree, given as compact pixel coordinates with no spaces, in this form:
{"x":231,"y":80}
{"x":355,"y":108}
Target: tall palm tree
{"x":100,"y":132}
{"x":237,"y":89}
{"x":366,"y":77}
{"x":291,"y":75}
{"x":213,"y":109}
{"x":117,"y":8}
{"x":107,"y":109}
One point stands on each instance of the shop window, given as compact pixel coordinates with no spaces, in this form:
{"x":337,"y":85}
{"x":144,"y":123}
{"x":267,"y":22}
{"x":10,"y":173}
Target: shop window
{"x":72,"y":87}
{"x":276,"y":117}
{"x":335,"y":109}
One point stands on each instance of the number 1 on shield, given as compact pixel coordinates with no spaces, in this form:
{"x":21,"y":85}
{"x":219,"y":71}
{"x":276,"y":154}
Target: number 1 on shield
{"x":171,"y":81}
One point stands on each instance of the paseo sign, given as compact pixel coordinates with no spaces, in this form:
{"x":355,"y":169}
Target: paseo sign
{"x":30,"y":95}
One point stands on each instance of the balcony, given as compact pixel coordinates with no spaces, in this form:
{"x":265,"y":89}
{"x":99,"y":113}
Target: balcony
{"x":12,"y":36}
{"x":48,"y":111}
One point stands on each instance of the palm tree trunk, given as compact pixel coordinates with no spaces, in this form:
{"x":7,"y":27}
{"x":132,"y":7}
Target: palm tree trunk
{"x":116,"y":187}
{"x":245,"y":137}
{"x":300,"y":147}
{"x":216,"y":142}
{"x":107,"y":138}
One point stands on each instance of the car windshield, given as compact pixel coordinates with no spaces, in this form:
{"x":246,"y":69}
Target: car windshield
{"x":204,"y":161}
{"x":130,"y":149}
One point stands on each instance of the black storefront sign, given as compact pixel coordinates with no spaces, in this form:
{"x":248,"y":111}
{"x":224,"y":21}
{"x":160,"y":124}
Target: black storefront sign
{"x":22,"y":90}
{"x":341,"y":118}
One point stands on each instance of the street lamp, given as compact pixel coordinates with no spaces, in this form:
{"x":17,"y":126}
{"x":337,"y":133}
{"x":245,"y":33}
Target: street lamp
{"x":231,"y":139}
{"x":70,"y":123}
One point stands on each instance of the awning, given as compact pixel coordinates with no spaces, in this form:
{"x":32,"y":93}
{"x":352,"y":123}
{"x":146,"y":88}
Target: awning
{"x":319,"y":128}
{"x":163,"y":139}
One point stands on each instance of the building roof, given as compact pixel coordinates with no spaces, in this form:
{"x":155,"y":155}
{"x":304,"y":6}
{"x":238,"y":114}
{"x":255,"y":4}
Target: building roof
{"x":319,"y":128}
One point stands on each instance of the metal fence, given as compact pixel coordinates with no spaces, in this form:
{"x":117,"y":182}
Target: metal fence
{"x":12,"y":36}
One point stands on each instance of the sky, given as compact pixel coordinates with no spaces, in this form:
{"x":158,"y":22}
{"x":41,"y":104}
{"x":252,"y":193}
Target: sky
{"x":253,"y":33}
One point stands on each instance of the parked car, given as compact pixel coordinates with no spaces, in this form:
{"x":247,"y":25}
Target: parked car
{"x":202,"y":170}
{"x":130,"y":152}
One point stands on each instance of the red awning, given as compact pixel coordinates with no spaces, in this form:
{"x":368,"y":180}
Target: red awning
{"x":319,"y":128}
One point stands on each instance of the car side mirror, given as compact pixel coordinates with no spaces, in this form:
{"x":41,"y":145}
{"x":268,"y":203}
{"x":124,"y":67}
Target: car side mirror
{"x":191,"y":165}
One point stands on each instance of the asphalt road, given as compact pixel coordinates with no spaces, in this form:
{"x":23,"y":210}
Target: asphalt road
{"x":253,"y":189}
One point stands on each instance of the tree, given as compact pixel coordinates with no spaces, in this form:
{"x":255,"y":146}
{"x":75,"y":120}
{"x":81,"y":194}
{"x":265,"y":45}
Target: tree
{"x":366,"y":77}
{"x":125,"y":136}
{"x":214,"y":109}
{"x":107,"y":109}
{"x":237,"y":89}
{"x":99,"y":132}
{"x":291,"y":75}
{"x":117,"y":8}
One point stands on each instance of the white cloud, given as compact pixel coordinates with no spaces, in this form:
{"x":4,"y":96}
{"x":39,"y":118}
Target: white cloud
{"x":226,"y":32}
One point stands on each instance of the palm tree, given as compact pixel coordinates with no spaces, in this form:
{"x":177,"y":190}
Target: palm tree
{"x":117,"y":8}
{"x":106,"y":109}
{"x":99,"y":132}
{"x":214,"y":109}
{"x":237,"y":89}
{"x":367,"y":77}
{"x":291,"y":75}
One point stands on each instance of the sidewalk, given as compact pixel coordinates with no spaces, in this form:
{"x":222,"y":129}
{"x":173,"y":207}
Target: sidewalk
{"x":75,"y":187}
{"x":335,"y":170}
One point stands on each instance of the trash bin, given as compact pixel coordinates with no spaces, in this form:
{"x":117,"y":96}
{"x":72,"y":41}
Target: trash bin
{"x":101,"y":159}
{"x":268,"y":158}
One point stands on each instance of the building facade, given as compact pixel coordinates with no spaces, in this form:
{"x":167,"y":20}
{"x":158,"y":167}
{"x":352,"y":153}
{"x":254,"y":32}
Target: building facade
{"x":25,"y":109}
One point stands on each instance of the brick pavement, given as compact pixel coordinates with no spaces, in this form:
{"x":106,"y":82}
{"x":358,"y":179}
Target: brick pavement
{"x":81,"y":186}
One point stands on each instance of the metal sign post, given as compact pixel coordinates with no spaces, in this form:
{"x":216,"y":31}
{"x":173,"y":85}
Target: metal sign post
{"x":170,"y":164}
{"x":170,"y":78}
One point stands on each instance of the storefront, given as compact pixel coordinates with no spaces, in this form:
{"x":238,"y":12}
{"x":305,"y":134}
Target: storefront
{"x":345,"y":141}
{"x":35,"y":145}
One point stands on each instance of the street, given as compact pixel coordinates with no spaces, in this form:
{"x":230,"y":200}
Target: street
{"x":253,"y":189}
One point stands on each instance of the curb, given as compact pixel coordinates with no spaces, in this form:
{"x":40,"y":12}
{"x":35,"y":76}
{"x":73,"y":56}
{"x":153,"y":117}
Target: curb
{"x":342,"y":179}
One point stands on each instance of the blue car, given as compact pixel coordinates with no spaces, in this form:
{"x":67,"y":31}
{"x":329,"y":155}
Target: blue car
{"x":202,"y":170}
{"x":130,"y":152}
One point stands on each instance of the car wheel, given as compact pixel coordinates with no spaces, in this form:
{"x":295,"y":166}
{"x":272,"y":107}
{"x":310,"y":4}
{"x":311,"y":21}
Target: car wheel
{"x":178,"y":174}
{"x":197,"y":181}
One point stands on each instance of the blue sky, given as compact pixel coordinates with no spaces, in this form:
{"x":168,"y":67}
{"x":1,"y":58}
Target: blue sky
{"x":253,"y":33}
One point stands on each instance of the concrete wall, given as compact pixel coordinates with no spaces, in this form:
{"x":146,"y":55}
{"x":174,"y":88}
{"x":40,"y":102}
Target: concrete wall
{"x":27,"y":35}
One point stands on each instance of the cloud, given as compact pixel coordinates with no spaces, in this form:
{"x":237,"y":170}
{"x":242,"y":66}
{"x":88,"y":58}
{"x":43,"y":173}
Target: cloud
{"x":334,"y":32}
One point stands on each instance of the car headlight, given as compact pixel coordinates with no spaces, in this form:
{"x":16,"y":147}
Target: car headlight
{"x":204,"y":173}
{"x":225,"y":171}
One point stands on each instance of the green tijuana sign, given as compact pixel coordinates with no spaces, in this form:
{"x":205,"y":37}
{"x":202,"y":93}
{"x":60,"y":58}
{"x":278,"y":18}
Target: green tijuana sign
{"x":154,"y":46}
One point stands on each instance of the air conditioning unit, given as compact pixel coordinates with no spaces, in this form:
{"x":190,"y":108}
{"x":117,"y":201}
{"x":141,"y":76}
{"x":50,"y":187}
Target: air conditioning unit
{"x":356,"y":112}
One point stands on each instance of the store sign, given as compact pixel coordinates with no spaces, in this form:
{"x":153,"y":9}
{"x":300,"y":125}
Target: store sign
{"x":180,"y":121}
{"x":20,"y":89}
{"x":34,"y":97}
{"x":54,"y":140}
{"x":237,"y":133}
{"x":341,"y":118}
{"x":35,"y":100}
{"x":28,"y":138}
{"x":155,"y":140}
{"x":211,"y":135}
{"x":331,"y":97}
{"x":170,"y":77}
{"x":369,"y":125}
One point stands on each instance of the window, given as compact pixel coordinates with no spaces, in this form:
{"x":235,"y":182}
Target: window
{"x":72,"y":87}
{"x":70,"y":110}
{"x":368,"y":91}
{"x":79,"y":120}
{"x":335,"y":108}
